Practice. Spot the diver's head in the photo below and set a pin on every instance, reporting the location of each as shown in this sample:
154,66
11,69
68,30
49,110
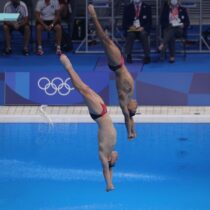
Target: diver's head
132,107
113,158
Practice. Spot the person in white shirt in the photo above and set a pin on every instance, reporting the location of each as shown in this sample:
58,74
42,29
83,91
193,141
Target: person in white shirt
47,15
21,25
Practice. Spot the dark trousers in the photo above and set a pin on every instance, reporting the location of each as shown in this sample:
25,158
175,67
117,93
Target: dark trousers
169,37
143,37
72,16
69,19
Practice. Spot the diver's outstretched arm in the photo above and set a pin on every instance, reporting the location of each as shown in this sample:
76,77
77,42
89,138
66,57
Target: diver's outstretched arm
129,123
106,172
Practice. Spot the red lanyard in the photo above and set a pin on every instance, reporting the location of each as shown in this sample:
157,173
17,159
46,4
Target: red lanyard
174,12
138,9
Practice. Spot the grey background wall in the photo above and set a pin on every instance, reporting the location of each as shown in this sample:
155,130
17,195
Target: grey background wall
2,2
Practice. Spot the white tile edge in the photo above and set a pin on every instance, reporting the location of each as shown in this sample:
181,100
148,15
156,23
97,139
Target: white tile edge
85,118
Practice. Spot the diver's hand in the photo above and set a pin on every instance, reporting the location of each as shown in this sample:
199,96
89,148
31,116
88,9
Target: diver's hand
110,188
132,136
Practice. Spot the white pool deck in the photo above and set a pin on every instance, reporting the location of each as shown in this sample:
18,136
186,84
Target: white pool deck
77,114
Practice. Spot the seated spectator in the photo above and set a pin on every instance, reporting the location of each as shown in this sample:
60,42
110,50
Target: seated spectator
137,21
47,15
174,22
65,13
21,25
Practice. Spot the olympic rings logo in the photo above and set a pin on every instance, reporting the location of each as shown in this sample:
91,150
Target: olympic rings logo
57,85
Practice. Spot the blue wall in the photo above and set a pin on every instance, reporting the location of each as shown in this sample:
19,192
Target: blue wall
151,88
43,80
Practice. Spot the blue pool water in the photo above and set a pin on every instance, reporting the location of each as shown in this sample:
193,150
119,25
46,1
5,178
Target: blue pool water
57,168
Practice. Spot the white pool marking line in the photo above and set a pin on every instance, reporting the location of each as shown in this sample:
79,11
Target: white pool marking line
14,169
79,114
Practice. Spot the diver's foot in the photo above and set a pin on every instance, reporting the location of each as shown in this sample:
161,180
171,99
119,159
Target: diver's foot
92,11
65,61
